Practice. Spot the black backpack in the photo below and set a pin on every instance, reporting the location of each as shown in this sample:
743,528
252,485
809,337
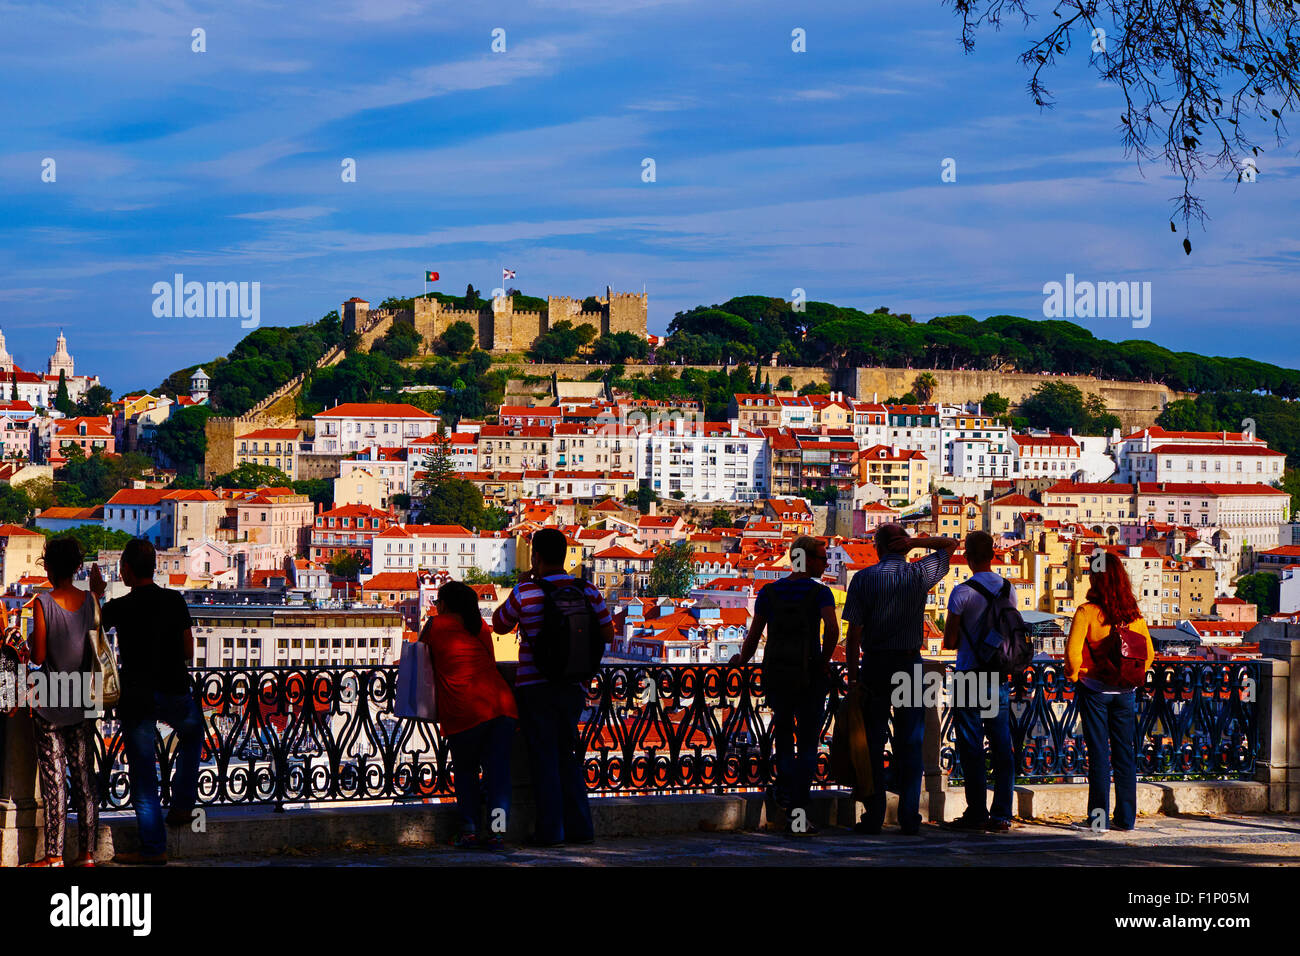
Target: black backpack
1002,643
794,631
568,646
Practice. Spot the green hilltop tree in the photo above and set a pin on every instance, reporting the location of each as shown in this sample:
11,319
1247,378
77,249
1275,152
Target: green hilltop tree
671,573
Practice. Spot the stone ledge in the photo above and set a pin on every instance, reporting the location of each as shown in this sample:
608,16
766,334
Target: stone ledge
238,831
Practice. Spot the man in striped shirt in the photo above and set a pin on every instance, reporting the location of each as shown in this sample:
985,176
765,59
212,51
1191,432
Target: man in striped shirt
884,610
549,711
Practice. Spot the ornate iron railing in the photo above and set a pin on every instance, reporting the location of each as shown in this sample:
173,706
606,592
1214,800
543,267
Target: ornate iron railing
286,735
1195,720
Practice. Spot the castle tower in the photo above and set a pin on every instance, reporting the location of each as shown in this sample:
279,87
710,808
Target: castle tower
625,312
61,361
6,360
355,314
503,315
199,383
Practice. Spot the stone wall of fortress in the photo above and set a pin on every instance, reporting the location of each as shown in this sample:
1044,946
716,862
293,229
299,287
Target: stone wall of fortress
1135,403
498,327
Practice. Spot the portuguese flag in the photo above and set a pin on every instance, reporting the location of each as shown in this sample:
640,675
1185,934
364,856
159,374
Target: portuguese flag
431,277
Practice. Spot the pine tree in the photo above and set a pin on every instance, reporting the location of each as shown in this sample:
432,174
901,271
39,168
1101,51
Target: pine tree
62,401
438,467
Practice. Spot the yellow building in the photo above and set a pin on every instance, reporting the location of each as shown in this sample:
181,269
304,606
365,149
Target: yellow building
272,447
902,473
20,554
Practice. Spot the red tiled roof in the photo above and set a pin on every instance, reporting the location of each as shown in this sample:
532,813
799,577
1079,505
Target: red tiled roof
11,530
1209,489
393,581
137,496
273,434
374,410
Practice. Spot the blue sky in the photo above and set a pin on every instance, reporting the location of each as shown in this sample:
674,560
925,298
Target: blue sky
775,170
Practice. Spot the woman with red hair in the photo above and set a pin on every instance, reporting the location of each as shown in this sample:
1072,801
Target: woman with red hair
1106,698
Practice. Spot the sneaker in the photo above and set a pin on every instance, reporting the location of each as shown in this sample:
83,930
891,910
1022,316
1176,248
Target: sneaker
968,823
493,841
866,829
465,840
996,825
178,818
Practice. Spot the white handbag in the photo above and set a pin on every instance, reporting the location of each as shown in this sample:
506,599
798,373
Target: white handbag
104,665
416,698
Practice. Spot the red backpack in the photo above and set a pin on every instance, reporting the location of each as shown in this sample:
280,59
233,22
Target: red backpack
1120,658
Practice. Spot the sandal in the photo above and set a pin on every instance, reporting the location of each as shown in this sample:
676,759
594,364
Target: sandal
83,861
47,861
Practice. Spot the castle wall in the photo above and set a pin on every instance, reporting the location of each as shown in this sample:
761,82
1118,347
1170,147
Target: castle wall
499,329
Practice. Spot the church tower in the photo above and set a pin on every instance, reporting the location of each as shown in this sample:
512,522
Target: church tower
199,383
61,361
6,360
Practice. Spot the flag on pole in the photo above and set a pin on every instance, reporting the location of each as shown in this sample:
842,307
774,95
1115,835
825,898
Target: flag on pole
507,274
431,277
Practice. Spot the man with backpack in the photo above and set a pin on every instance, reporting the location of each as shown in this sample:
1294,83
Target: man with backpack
564,628
990,637
798,613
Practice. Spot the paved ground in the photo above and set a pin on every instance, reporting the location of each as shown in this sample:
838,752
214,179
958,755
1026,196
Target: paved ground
1157,841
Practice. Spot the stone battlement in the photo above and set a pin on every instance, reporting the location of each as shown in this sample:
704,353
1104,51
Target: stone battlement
498,327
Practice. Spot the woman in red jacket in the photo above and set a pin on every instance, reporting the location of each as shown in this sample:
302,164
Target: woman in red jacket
476,712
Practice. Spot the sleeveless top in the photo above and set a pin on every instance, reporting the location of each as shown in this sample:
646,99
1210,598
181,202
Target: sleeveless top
68,656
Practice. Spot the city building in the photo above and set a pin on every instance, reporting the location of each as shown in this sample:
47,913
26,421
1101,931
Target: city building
271,447
350,427
347,528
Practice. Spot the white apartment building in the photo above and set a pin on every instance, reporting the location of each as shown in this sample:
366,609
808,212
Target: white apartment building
1045,455
870,424
956,424
267,635
1238,464
704,461
356,426
917,428
980,458
1131,449
450,548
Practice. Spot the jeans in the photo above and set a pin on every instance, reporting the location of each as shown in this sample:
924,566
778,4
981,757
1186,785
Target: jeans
549,714
972,728
796,729
181,713
1110,734
907,770
487,746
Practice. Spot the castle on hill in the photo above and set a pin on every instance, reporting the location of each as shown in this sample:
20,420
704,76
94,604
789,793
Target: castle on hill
498,327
